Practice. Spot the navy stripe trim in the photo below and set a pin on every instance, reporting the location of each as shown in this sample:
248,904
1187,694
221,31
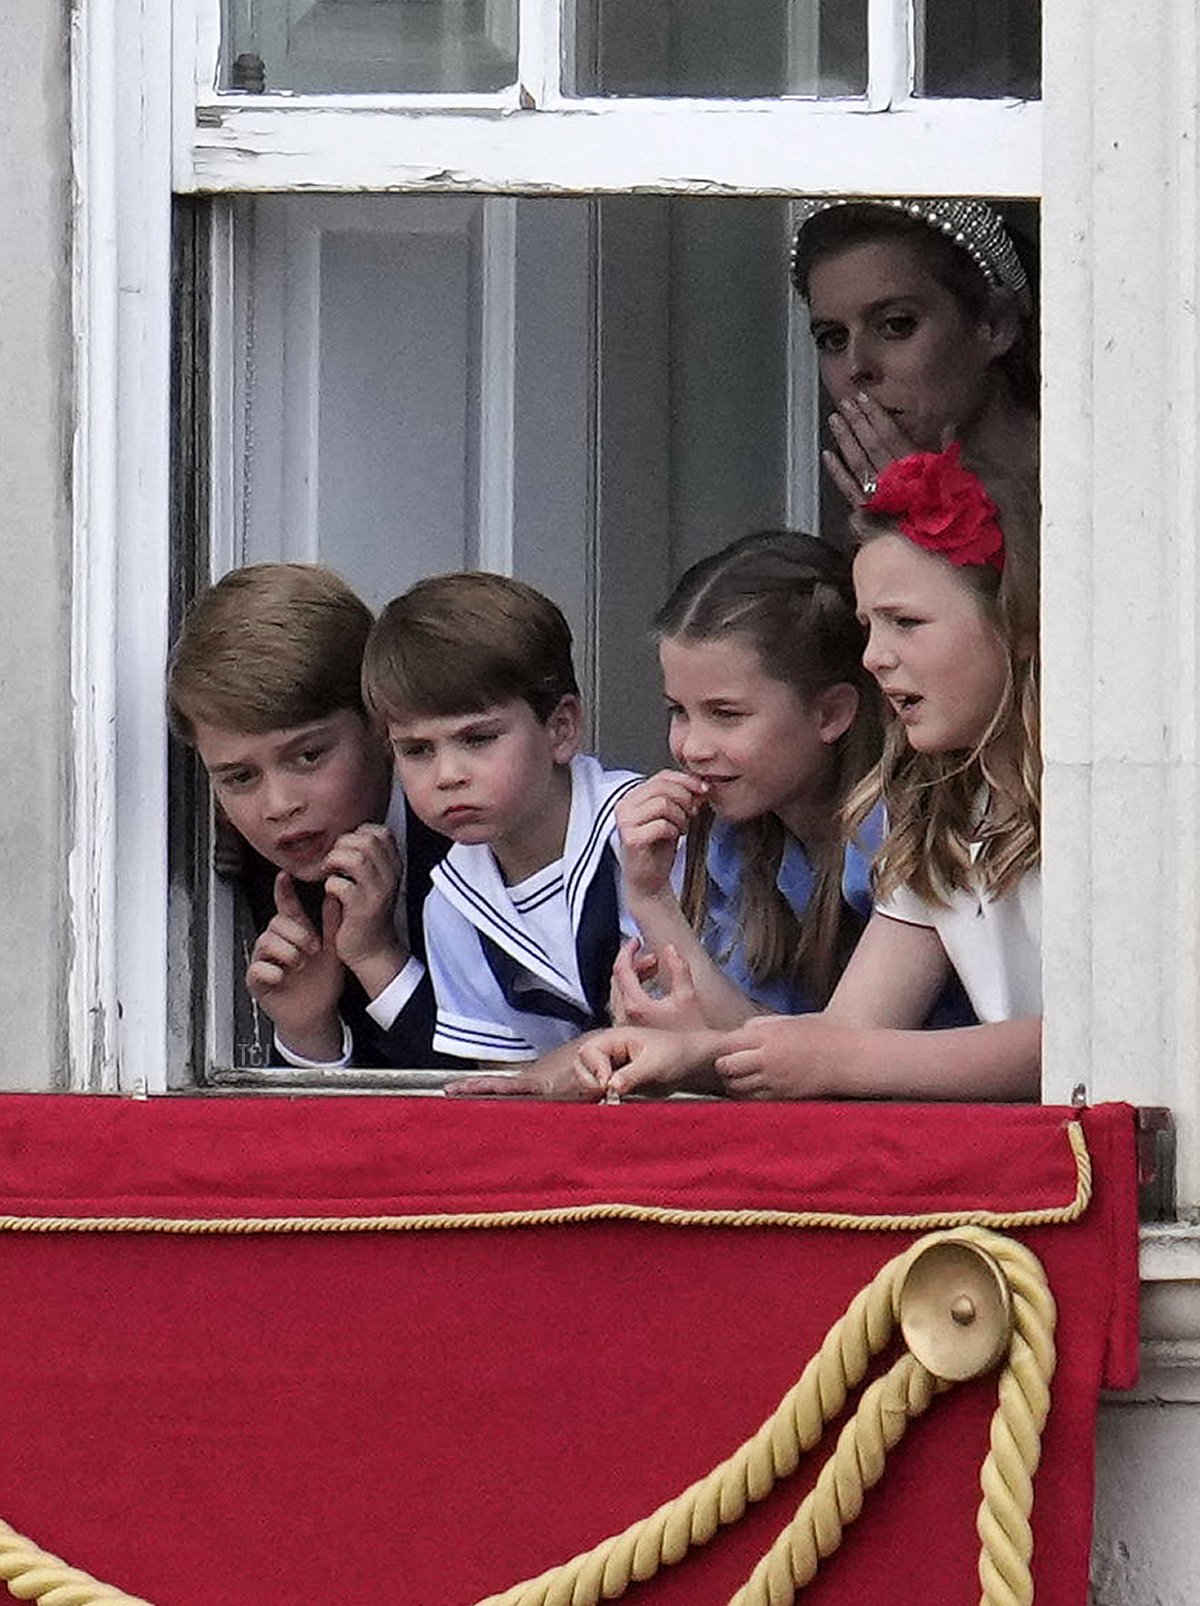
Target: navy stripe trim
515,935
481,1038
597,838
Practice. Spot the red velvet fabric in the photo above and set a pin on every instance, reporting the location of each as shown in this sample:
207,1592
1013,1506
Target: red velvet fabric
423,1418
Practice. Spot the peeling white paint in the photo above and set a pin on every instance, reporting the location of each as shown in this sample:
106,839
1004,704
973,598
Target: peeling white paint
612,146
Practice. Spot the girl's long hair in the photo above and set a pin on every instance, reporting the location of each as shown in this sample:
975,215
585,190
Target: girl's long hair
790,598
937,840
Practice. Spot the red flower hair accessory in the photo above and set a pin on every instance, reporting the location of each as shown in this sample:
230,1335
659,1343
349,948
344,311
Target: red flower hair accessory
941,506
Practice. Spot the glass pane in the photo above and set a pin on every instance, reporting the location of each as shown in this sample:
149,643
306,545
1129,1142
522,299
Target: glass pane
731,48
370,46
566,386
980,48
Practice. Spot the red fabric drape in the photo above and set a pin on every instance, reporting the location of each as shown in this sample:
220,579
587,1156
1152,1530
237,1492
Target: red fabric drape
425,1417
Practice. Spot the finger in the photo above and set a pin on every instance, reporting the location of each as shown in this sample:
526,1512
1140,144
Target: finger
679,806
673,782
645,964
625,968
586,1083
872,427
842,478
655,843
679,978
262,975
287,899
733,1069
285,938
848,428
276,949
662,1014
881,436
332,914
592,1063
299,934
488,1084
372,848
630,997
677,787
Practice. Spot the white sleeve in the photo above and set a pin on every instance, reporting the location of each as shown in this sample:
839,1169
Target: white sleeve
474,1019
299,1063
384,1009
903,904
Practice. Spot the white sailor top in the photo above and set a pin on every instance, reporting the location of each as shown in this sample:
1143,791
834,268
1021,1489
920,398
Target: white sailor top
505,989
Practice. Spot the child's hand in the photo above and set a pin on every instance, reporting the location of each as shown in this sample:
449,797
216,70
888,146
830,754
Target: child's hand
672,1005
363,873
634,973
628,1059
651,819
785,1057
560,1083
296,976
868,439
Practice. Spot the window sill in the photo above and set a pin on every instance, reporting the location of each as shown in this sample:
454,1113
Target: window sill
1170,1316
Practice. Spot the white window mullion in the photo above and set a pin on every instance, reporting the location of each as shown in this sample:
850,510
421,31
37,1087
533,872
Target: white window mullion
117,876
497,378
92,867
889,52
539,51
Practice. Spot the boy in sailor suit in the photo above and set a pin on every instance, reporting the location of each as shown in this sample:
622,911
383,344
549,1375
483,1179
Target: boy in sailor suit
471,675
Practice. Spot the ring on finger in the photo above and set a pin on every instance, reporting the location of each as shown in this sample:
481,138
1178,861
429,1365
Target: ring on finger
869,486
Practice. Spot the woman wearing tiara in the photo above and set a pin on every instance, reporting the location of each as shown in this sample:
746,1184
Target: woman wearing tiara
922,314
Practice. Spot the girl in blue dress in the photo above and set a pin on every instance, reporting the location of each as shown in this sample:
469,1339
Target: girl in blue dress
773,722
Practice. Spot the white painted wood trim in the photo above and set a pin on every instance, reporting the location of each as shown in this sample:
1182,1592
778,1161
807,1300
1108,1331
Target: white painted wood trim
540,51
889,53
117,869
91,870
1121,610
497,368
684,147
1170,1315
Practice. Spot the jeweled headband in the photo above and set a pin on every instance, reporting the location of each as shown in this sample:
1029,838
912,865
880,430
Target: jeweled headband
971,225
941,506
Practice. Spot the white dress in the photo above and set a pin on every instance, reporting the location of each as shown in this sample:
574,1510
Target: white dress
995,944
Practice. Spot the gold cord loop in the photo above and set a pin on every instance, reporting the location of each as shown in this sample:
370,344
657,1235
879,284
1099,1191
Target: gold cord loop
1027,1313
1023,1312
34,1574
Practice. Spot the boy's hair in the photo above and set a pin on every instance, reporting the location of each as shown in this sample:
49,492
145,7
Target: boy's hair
461,643
933,799
268,647
789,597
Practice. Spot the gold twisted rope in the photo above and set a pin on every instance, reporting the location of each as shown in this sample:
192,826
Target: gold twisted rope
34,1574
576,1215
887,1406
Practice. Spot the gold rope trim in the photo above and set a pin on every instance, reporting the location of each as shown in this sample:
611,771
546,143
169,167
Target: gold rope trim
32,1573
857,1464
574,1215
883,1414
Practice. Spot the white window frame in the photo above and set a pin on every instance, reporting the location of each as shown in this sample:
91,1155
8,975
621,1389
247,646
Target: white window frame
1122,922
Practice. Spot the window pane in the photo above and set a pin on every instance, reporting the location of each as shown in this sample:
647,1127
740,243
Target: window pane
731,48
980,48
572,389
370,46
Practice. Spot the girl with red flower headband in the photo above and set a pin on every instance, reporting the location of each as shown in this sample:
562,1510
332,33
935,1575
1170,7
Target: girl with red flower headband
947,587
